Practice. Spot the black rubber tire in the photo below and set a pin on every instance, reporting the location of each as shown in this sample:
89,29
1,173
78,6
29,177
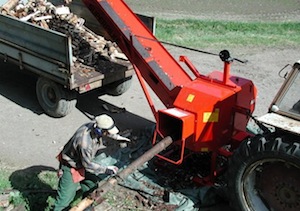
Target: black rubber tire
119,87
264,174
55,100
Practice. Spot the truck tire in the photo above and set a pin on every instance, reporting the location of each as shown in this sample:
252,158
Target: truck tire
54,98
264,174
119,87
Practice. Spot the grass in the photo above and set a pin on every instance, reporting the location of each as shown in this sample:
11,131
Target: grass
206,34
35,189
32,188
4,182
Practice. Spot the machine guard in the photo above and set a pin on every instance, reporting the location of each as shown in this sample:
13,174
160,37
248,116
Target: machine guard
178,124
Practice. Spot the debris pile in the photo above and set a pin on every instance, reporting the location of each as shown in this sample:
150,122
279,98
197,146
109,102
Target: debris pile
87,47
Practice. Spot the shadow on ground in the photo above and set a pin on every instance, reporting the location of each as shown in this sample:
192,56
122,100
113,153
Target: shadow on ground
29,182
90,105
19,87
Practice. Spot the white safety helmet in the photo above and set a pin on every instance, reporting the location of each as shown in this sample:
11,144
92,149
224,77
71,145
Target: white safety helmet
107,123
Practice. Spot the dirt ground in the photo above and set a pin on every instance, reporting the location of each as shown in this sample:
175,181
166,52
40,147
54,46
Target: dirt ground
28,137
266,10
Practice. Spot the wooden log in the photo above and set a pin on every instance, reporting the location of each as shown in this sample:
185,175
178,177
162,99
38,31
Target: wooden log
42,13
10,5
97,195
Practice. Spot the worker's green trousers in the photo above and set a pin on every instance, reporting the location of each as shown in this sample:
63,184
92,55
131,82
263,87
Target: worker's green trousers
67,188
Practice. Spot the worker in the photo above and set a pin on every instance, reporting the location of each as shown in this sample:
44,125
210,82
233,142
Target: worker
77,166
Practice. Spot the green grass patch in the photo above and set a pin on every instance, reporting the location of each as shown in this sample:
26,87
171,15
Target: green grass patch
224,34
33,188
4,181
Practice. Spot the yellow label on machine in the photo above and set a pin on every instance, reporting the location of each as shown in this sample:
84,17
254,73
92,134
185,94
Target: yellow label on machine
190,98
211,116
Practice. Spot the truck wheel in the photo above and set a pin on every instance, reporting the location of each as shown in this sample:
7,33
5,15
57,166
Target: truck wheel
54,98
119,87
264,174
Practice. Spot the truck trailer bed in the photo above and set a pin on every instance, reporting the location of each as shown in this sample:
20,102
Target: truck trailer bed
49,53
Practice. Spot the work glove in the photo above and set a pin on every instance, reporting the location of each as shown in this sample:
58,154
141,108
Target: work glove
118,137
111,170
59,173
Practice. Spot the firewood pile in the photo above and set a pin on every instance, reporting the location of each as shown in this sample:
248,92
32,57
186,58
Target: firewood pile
87,47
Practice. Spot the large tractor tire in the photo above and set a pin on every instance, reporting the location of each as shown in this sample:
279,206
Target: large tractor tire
54,98
264,174
119,87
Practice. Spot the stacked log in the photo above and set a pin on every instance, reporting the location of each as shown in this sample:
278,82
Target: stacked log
87,47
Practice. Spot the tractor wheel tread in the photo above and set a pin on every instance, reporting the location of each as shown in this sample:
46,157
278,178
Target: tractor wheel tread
255,150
